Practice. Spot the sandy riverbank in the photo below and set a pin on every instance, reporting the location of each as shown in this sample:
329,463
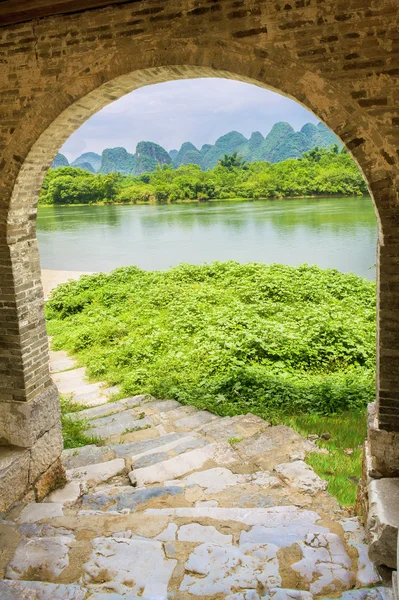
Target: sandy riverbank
51,279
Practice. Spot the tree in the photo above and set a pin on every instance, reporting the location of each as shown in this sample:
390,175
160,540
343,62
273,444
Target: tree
232,161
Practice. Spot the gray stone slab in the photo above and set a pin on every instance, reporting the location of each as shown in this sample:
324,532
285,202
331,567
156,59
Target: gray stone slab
108,409
149,459
117,424
127,497
163,405
38,590
86,455
60,361
135,448
190,445
272,439
68,380
196,420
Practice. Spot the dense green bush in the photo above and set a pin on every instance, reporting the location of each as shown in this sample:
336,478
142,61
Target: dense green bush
225,336
320,172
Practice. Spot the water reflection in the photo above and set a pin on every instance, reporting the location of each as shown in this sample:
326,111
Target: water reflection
338,233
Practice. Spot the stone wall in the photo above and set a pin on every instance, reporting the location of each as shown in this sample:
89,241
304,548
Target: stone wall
339,59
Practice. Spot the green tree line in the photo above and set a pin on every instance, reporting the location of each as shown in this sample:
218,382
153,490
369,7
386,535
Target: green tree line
320,172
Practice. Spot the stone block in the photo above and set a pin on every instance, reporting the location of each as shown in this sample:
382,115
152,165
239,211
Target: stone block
86,455
128,498
92,475
22,423
302,477
130,566
40,558
67,495
383,521
45,452
117,424
14,475
37,511
384,449
51,479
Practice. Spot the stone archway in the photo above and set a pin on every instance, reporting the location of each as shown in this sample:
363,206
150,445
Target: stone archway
60,70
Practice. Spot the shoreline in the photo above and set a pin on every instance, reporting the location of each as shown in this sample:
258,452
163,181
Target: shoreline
51,278
209,200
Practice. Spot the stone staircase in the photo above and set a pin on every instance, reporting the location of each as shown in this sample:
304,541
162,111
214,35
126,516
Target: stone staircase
175,503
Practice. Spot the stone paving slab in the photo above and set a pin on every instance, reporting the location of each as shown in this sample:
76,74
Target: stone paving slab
92,475
240,426
42,558
86,455
127,497
117,424
109,408
135,449
60,361
279,515
194,421
299,475
135,566
37,590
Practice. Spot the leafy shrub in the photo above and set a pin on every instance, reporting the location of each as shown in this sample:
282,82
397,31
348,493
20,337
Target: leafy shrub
228,337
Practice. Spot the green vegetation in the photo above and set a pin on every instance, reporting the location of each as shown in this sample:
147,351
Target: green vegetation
290,344
342,466
319,172
75,432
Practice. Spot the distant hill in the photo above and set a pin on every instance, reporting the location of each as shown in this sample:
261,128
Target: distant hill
59,161
281,142
91,158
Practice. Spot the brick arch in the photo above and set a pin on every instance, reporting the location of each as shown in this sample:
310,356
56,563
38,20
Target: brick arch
74,65
88,90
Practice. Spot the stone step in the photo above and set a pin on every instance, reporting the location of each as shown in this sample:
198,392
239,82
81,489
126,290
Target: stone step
60,361
108,409
219,454
86,455
234,428
137,449
118,424
194,421
74,382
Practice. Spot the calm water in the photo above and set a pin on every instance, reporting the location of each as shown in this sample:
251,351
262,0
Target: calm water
339,233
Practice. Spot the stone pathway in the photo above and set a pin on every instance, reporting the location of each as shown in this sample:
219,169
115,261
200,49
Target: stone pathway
179,504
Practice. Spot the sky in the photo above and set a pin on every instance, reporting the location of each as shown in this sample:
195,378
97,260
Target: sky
194,110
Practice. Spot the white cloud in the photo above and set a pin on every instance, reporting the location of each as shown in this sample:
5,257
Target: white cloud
196,110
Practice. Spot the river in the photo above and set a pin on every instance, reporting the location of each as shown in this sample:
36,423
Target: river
329,232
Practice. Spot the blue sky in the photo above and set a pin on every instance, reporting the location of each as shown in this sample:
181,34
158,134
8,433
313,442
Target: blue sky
195,110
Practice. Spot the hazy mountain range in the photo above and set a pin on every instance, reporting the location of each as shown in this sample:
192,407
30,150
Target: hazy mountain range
281,143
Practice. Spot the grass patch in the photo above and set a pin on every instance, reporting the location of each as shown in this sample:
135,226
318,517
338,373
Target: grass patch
342,470
289,344
235,440
74,431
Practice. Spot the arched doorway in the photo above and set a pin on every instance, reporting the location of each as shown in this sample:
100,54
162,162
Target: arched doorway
100,62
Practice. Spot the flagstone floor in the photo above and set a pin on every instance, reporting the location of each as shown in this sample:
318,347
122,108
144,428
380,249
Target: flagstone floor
180,504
